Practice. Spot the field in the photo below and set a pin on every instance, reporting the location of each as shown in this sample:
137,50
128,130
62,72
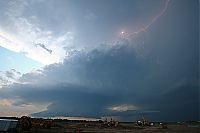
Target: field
92,127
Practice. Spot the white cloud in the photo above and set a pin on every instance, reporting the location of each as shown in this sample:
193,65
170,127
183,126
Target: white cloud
22,33
9,77
123,107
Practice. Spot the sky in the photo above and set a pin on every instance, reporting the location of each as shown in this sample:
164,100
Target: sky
98,58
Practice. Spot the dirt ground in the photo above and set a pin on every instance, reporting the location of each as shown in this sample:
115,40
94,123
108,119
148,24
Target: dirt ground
91,127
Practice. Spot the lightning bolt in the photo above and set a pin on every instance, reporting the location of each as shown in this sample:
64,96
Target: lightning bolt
155,18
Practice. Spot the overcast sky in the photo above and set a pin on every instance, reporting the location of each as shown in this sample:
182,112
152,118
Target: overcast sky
95,58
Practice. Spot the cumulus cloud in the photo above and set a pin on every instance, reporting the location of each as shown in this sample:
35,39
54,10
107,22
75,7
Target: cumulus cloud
9,77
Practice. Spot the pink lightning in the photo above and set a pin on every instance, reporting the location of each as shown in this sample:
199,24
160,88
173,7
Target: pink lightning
145,28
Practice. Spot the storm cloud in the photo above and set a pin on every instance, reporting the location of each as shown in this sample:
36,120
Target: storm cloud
153,73
90,83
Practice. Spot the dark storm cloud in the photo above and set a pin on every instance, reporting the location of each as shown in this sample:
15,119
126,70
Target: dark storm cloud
157,72
105,77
